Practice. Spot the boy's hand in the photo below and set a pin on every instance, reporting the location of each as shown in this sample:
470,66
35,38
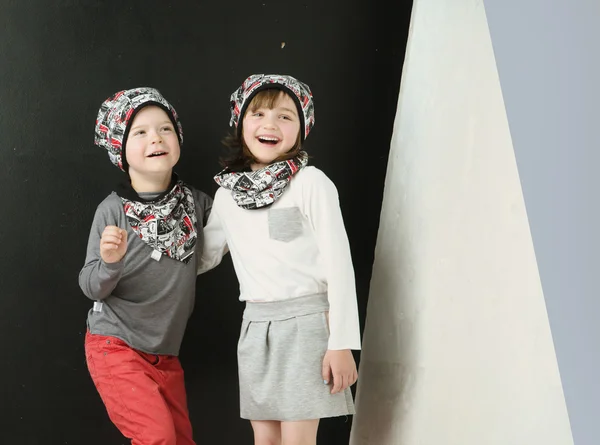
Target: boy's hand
113,244
340,366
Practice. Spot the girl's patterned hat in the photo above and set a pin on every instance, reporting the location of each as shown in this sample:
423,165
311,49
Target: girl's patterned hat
299,92
116,115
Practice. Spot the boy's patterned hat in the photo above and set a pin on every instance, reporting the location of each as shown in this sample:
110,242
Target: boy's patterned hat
299,92
116,115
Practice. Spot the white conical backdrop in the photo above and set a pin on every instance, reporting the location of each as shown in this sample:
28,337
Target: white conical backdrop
457,347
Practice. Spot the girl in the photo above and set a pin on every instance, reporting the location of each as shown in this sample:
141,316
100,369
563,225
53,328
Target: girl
282,222
140,270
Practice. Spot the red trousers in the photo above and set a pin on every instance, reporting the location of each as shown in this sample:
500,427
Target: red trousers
144,394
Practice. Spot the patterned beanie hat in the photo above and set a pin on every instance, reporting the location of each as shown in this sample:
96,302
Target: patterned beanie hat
116,115
299,92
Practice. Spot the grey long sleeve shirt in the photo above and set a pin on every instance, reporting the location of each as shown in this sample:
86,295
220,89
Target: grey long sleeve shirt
144,302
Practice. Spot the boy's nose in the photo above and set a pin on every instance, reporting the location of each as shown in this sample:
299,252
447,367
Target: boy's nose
155,137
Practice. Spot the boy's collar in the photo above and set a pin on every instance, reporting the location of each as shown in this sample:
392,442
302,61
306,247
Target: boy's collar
125,190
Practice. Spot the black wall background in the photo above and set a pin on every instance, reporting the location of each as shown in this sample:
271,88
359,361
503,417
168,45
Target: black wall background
58,61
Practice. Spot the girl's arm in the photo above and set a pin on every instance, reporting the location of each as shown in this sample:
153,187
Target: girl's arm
321,205
215,244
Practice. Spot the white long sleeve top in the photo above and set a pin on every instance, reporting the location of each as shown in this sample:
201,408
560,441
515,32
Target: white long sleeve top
296,247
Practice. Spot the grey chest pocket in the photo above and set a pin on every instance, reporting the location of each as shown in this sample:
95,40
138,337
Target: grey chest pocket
285,224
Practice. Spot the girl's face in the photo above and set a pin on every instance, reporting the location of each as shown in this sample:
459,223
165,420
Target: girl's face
152,144
271,132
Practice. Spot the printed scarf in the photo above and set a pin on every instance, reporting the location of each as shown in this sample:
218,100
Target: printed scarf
261,188
167,223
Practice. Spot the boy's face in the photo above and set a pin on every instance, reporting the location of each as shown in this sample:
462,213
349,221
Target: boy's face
270,133
152,144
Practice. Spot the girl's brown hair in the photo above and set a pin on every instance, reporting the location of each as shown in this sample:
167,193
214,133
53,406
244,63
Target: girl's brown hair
239,156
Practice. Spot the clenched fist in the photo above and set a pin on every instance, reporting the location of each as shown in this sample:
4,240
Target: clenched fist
113,244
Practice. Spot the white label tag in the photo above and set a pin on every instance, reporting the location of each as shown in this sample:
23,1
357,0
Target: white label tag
97,306
156,255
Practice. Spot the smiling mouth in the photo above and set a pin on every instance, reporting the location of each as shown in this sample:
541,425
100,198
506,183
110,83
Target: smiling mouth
268,140
157,154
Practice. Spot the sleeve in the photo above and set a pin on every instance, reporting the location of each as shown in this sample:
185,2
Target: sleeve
322,208
206,203
215,242
98,279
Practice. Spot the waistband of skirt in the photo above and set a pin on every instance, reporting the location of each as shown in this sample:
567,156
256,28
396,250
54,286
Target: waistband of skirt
285,309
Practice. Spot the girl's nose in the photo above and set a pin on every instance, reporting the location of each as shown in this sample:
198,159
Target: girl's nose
270,122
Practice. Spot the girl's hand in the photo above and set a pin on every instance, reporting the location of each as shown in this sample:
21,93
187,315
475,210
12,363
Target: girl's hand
340,366
113,244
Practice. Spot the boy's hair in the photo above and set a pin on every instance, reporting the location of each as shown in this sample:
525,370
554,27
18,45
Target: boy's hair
240,157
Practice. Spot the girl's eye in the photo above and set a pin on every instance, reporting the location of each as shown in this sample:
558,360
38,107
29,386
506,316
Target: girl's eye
139,132
167,129
286,117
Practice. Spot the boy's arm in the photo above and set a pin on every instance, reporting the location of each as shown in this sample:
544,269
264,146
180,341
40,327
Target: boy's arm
98,279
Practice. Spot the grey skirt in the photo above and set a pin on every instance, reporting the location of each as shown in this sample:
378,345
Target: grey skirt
280,358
